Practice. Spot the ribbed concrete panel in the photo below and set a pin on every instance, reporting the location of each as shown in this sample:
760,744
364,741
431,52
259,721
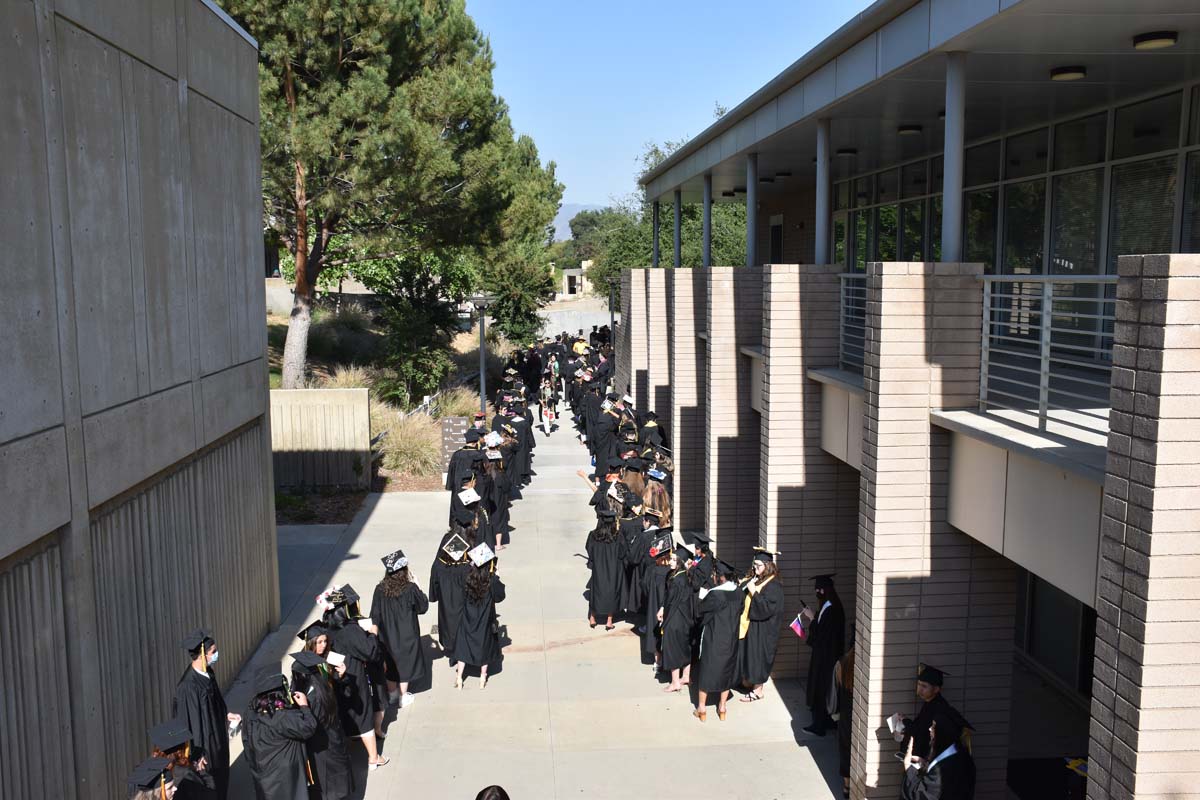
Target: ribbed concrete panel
195,549
34,711
321,438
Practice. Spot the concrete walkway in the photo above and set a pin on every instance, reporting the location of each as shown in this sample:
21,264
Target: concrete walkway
572,713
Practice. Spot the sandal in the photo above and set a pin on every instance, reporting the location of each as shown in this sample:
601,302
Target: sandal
382,763
669,690
750,698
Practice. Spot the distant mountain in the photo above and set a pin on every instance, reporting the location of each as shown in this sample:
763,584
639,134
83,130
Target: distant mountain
562,223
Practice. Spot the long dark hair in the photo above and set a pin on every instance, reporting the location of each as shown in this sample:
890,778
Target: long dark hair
325,709
479,583
605,532
269,702
394,583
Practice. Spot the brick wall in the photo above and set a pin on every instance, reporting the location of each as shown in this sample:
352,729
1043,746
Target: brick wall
732,430
926,592
658,367
638,367
623,350
1146,682
808,499
688,305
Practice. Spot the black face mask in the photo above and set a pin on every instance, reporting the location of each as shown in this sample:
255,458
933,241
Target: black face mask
820,594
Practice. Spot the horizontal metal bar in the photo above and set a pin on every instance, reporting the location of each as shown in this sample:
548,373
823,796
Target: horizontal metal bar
1098,279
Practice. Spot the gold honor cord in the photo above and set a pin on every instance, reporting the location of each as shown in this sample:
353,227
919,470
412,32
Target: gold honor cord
744,622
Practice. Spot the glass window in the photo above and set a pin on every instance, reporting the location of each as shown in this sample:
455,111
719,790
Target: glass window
1190,242
861,222
885,233
979,228
841,196
1141,209
1075,223
935,228
776,244
839,240
912,231
912,180
1080,141
864,193
886,188
936,174
1194,125
1025,154
1147,127
1024,226
983,164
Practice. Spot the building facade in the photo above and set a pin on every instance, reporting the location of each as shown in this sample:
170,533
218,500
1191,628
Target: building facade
960,371
136,498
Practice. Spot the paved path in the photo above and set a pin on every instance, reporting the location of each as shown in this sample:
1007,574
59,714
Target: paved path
572,713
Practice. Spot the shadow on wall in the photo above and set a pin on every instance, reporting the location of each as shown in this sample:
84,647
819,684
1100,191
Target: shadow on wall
642,380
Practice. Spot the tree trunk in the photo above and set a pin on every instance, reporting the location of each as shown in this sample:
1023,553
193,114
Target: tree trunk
295,348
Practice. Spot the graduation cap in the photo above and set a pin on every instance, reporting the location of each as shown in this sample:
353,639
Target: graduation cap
306,660
683,553
195,639
660,545
480,415
153,773
611,397
268,679
653,512
605,513
635,464
472,435
510,429
494,455
927,673
456,547
468,496
631,500
311,632
696,537
493,439
616,463
627,399
725,568
657,474
764,555
345,595
171,735
394,562
481,554
649,416
824,581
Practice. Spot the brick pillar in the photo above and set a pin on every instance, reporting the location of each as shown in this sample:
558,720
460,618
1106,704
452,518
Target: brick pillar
658,367
732,430
638,368
926,592
1146,682
808,499
623,350
688,386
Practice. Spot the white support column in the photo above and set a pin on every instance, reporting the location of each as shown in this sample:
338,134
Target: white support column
823,211
952,180
752,209
706,261
655,226
678,229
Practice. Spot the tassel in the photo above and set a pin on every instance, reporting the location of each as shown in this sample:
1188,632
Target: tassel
308,772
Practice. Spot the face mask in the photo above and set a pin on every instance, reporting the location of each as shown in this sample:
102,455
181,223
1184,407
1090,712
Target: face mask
213,658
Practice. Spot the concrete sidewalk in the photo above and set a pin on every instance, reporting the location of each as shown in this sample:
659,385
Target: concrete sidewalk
572,713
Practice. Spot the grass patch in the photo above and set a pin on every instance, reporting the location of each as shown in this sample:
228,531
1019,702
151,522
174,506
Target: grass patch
348,377
412,445
460,402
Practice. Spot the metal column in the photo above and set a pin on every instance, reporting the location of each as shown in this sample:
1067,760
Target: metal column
952,180
824,221
655,226
752,209
678,228
707,233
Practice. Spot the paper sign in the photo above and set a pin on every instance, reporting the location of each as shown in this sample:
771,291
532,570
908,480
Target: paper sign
365,624
336,659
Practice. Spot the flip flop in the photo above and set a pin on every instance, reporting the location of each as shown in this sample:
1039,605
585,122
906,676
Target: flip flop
383,763
750,698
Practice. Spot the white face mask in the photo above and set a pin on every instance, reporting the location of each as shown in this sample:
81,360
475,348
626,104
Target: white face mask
213,658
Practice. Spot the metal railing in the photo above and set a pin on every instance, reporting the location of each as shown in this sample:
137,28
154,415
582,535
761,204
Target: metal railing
1047,347
852,336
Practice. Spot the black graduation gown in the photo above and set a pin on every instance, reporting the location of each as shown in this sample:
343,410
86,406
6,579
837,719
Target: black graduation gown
447,584
719,613
952,778
604,560
461,467
355,700
827,638
328,753
633,592
400,630
762,637
274,746
700,576
198,701
679,615
499,502
918,729
476,643
655,585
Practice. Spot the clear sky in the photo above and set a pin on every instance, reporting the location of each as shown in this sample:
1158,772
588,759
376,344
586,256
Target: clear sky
593,81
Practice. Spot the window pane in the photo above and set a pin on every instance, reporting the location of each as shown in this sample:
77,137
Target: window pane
912,180
1194,125
1024,225
912,222
1026,154
885,233
1141,210
983,164
886,190
935,228
936,174
1147,127
864,191
979,228
839,241
1190,243
1075,227
841,196
1080,141
862,237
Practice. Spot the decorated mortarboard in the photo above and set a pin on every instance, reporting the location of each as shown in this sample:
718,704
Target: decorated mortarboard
614,491
824,581
764,555
312,631
394,562
481,554
510,429
306,659
456,547
468,496
348,595
653,512
472,435
493,455
510,371
493,439
195,639
661,545
656,474
153,773
170,735
927,673
627,399
268,679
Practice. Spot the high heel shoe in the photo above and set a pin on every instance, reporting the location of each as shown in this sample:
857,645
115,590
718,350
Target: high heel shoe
700,715
458,682
721,714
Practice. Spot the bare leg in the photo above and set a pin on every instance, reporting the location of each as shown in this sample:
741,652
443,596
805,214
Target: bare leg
483,677
687,675
721,703
368,741
674,685
458,673
379,724
608,626
701,699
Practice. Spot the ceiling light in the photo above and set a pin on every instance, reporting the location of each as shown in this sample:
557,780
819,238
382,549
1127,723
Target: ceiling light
765,179
847,151
783,174
739,190
1155,40
909,130
728,193
942,114
1068,73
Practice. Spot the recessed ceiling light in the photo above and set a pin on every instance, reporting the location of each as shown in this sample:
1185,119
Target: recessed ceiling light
847,151
739,190
728,193
1155,40
909,130
765,179
1068,73
783,174
942,114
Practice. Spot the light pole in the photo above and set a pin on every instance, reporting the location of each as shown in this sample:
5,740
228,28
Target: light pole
481,302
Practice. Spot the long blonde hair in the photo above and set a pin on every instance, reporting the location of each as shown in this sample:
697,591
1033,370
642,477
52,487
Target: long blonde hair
655,496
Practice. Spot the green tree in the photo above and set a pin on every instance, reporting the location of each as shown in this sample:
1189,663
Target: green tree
378,121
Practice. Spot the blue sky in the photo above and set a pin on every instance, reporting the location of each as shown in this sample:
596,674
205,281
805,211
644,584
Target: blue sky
592,82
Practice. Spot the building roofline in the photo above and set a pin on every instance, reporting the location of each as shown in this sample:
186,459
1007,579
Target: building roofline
228,20
862,24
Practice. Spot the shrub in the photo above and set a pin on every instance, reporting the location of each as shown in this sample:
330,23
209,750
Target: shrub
412,444
460,402
349,378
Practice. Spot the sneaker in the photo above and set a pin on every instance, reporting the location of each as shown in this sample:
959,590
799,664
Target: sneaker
407,699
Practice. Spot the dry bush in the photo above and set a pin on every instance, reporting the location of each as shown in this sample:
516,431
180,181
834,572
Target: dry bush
460,402
348,378
412,445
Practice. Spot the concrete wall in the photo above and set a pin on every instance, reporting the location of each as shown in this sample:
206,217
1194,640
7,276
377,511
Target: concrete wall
134,349
321,438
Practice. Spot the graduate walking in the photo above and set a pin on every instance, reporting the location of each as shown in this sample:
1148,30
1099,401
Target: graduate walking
477,642
607,572
277,724
327,748
447,584
396,607
361,651
719,610
678,615
199,703
761,619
